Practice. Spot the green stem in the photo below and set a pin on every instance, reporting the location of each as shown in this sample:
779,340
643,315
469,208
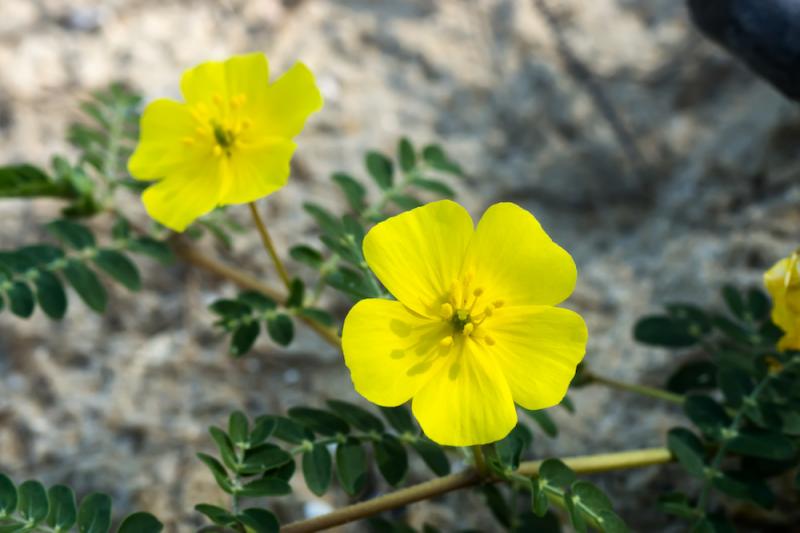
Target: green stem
268,245
644,390
480,461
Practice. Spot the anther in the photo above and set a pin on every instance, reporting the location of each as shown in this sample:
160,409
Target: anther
239,100
446,342
217,150
477,292
467,331
246,123
200,130
488,340
498,303
188,140
446,311
217,98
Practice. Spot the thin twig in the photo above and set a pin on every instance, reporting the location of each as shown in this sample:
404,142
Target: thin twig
268,245
468,478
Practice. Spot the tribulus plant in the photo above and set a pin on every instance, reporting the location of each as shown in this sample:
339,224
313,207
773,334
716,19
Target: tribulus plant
460,320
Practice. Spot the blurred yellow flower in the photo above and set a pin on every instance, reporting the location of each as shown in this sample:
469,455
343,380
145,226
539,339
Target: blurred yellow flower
783,284
229,143
474,328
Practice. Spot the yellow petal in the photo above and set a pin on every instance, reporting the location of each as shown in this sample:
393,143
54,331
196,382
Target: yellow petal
419,253
289,101
516,262
538,349
390,351
246,74
783,284
181,198
468,401
258,171
161,150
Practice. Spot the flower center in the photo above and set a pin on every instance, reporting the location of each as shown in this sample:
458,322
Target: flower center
466,308
219,125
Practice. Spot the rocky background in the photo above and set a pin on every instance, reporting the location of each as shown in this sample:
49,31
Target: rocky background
659,162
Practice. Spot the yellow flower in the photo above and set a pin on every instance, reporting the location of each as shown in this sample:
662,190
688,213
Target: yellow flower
783,284
229,143
474,328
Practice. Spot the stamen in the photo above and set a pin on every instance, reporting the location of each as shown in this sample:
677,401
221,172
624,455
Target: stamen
468,329
200,130
217,98
217,150
239,100
246,123
477,292
446,311
188,140
456,293
446,342
498,303
488,340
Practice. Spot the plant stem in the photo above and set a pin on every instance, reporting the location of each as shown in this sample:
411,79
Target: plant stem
436,487
644,390
195,257
480,462
268,246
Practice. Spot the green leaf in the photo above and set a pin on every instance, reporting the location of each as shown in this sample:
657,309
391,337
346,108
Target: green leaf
280,329
511,448
433,455
356,416
554,472
307,255
225,447
735,302
351,466
244,337
764,444
8,496
380,169
319,421
676,503
259,520
288,430
758,304
268,486
257,300
434,155
263,429
119,267
350,282
33,502
706,414
405,201
317,469
63,509
238,429
406,155
153,248
50,294
434,186
327,222
353,190
72,234
296,293
576,516
230,308
317,315
692,376
400,419
688,449
590,496
262,458
94,514
665,331
539,502
87,285
736,485
610,522
735,385
392,459
25,181
21,299
497,504
121,230
217,470
140,523
543,420
218,515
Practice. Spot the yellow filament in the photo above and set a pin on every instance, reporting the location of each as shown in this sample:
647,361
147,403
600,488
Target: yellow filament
446,342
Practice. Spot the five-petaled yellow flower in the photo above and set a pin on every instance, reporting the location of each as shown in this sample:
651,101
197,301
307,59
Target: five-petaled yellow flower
229,143
474,328
783,284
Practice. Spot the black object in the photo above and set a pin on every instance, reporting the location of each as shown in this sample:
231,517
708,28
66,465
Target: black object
765,34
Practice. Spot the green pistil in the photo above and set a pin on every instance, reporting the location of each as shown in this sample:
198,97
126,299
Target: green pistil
460,319
224,137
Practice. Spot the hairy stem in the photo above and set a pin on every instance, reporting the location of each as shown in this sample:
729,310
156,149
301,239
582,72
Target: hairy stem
468,478
195,257
268,246
644,390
